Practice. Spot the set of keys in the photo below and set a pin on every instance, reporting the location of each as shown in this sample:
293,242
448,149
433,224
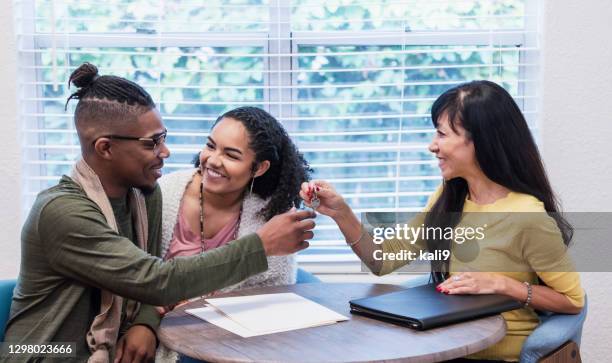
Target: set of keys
314,201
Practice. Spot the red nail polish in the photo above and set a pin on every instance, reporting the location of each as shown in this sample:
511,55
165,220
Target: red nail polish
446,292
438,288
318,189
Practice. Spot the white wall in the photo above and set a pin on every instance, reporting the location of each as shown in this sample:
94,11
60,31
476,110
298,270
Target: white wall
576,124
10,147
576,130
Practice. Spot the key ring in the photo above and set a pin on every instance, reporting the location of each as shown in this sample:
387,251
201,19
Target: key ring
314,201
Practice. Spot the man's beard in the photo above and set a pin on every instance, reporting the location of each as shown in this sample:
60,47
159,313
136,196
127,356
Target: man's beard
147,189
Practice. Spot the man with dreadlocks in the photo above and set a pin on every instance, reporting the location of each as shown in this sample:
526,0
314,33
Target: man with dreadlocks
88,271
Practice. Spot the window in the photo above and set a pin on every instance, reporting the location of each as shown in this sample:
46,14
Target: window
351,80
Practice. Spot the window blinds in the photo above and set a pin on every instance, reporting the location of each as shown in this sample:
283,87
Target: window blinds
351,80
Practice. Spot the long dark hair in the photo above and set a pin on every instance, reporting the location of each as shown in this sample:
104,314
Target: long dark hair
505,150
288,168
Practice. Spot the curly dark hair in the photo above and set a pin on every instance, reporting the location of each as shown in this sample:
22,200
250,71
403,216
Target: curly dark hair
269,141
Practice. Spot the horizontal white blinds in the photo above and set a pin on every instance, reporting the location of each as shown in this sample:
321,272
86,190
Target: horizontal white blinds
351,80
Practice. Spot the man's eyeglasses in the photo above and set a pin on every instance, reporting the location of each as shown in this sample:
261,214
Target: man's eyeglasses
153,142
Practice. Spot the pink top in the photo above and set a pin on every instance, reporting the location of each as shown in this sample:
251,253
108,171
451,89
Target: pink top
187,243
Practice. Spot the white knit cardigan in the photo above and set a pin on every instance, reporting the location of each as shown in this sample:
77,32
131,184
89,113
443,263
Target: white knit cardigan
282,270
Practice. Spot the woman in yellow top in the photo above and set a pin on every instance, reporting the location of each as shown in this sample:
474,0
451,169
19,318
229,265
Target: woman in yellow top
490,163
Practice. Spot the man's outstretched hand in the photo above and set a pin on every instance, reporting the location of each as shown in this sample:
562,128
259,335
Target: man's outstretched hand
287,233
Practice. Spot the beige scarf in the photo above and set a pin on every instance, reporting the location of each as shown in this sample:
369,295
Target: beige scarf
102,335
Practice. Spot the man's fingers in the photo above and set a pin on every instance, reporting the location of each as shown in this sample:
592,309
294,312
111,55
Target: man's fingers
139,356
128,356
303,245
303,214
305,225
307,235
145,355
119,351
151,355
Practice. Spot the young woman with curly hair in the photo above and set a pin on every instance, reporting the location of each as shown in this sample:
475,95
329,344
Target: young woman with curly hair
248,171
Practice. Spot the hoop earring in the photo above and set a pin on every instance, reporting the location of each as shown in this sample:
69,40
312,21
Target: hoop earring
252,182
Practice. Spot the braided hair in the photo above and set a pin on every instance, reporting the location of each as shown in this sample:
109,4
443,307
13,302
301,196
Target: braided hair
104,101
288,168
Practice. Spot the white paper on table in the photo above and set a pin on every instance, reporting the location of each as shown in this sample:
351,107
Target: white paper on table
217,318
275,312
271,313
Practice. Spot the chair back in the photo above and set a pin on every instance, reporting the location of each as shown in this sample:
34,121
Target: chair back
6,296
304,277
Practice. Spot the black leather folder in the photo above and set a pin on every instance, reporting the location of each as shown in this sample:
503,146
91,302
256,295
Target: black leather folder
424,308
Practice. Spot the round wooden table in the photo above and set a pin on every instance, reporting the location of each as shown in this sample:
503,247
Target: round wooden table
360,339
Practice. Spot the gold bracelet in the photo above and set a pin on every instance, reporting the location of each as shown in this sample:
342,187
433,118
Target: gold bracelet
352,244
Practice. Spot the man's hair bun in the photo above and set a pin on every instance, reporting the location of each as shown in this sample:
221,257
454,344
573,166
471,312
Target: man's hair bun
84,75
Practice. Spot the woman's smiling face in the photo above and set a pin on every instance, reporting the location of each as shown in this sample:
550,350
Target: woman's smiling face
227,160
454,150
